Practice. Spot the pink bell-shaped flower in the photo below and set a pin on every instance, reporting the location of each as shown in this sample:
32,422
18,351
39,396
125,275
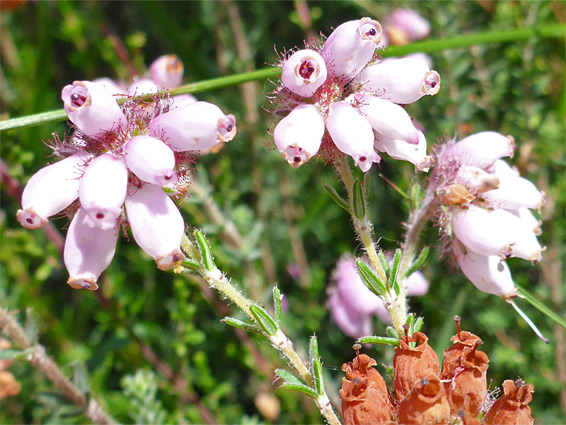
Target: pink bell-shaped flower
304,72
399,149
89,250
353,323
352,134
167,71
151,160
480,150
298,136
487,272
157,225
410,22
194,127
351,46
92,108
51,190
103,189
401,81
112,86
387,118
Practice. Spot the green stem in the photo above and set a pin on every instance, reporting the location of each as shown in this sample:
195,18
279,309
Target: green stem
429,46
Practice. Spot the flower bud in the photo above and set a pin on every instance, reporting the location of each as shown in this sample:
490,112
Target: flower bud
513,406
298,136
410,22
364,393
487,272
413,364
426,403
351,46
480,150
352,134
387,118
157,225
401,81
167,71
304,72
89,250
51,190
467,390
151,160
400,149
92,108
194,127
103,189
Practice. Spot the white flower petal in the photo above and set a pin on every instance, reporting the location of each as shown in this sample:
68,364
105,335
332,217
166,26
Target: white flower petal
151,160
480,150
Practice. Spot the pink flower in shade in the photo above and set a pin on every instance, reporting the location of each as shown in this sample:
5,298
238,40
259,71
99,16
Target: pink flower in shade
485,208
336,98
409,22
123,163
167,71
352,305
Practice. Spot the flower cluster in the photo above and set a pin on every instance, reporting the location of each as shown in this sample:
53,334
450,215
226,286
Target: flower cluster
425,393
121,166
343,97
486,210
352,305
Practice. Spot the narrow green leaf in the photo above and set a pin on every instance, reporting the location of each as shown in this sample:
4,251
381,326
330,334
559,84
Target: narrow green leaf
277,297
191,265
384,263
336,197
410,322
313,347
318,376
390,330
205,250
358,200
15,354
248,327
288,377
541,307
53,399
264,320
301,388
366,186
419,261
31,328
418,324
80,377
395,268
378,340
370,279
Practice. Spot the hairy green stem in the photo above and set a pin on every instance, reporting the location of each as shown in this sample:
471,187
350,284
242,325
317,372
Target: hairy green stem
428,46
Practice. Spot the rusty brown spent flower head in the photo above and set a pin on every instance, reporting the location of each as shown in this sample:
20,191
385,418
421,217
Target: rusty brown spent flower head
512,408
413,364
425,404
364,393
452,356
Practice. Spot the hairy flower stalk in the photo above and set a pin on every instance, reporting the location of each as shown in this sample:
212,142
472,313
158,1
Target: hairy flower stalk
342,99
122,166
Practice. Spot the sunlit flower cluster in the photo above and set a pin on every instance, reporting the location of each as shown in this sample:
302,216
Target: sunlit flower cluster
343,97
125,160
486,210
353,306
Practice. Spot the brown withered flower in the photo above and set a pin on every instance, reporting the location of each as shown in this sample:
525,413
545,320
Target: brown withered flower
452,356
512,408
467,390
364,393
425,404
413,364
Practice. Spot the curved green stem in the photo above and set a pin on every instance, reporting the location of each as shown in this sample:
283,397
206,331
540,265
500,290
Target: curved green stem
429,46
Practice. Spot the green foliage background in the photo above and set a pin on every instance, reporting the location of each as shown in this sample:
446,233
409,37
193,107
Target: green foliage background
283,215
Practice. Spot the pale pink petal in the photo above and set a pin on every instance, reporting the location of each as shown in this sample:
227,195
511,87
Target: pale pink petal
298,136
351,322
51,190
103,189
411,23
304,72
143,86
417,284
167,71
194,127
399,149
157,225
92,108
480,150
151,160
88,251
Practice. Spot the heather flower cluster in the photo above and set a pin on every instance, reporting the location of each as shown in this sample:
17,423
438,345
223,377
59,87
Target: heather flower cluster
486,210
353,306
342,97
122,166
426,393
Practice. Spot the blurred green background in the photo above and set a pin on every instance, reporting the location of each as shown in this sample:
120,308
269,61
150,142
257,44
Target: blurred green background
143,319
